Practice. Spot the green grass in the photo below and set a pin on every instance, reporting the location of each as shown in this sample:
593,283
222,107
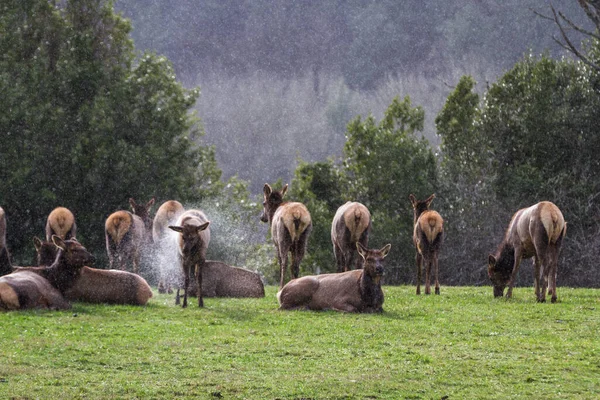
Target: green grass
463,344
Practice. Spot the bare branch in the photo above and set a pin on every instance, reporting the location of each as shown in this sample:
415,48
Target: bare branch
577,27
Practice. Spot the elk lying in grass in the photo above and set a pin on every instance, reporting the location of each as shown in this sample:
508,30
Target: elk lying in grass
194,237
428,235
290,224
351,224
353,291
61,222
223,280
164,244
126,235
98,285
5,265
538,232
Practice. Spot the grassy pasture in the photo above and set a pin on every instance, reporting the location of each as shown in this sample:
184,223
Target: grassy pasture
463,344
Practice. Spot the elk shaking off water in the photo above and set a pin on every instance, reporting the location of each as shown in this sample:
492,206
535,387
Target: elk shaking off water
194,237
164,247
351,224
126,235
538,232
353,291
290,224
61,222
428,235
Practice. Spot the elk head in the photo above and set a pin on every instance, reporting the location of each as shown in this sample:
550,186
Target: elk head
191,240
74,255
272,200
373,260
419,207
143,211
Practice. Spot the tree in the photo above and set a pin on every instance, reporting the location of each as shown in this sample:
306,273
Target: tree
87,125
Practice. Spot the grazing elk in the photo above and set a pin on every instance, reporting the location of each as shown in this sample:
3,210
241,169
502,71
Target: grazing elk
127,234
93,285
290,224
27,289
352,291
428,235
194,237
538,232
5,265
61,222
164,243
351,224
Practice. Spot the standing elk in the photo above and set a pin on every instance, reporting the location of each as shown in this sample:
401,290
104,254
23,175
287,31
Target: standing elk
61,222
164,245
352,291
93,285
538,232
5,265
194,237
351,224
290,224
127,234
428,235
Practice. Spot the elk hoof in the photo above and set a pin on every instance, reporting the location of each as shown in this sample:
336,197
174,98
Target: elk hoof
437,290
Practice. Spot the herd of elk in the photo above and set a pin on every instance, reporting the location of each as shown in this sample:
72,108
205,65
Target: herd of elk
351,224
290,224
538,232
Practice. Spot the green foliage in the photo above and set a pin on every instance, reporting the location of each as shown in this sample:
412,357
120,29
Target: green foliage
463,344
85,125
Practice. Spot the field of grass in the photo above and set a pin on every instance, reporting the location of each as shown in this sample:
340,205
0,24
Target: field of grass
463,344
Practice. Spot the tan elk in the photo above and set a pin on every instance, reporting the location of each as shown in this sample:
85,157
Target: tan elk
126,235
290,224
223,280
61,222
428,234
165,245
93,285
194,237
5,265
538,232
352,291
351,224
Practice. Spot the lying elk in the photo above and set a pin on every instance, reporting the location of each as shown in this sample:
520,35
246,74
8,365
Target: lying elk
290,224
194,237
351,224
223,280
352,291
5,265
538,232
99,285
44,287
428,235
61,222
126,234
166,215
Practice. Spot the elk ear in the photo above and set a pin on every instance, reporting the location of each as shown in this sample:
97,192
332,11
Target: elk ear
429,200
285,188
267,190
150,203
58,242
491,260
203,226
132,202
176,228
385,250
413,199
362,250
37,243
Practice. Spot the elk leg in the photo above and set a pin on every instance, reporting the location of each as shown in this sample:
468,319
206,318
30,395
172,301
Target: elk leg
427,275
177,299
419,259
339,258
437,270
283,260
513,275
198,274
536,276
186,284
542,280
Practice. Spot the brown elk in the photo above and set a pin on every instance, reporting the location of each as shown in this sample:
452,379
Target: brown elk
352,291
27,289
538,232
290,224
194,237
5,265
61,222
164,242
428,235
351,224
223,280
98,285
126,235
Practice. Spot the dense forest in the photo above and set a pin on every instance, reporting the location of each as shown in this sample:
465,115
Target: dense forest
360,100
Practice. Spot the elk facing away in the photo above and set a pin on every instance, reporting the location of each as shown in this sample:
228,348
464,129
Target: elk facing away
538,232
428,235
164,245
194,237
61,222
351,224
353,291
127,234
290,224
